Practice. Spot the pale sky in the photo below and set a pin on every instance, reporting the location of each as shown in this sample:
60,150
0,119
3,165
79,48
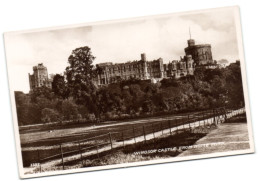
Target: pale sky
163,36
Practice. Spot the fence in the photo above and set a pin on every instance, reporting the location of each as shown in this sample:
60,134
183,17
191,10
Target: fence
81,149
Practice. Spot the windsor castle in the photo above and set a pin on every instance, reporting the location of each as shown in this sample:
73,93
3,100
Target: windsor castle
155,70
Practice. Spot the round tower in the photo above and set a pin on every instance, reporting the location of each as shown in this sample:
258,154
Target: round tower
201,54
143,59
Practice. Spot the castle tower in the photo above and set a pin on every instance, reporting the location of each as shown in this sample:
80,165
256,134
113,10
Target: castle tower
161,68
201,54
143,59
191,42
39,77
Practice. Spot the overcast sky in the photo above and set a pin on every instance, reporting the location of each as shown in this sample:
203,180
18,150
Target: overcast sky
162,36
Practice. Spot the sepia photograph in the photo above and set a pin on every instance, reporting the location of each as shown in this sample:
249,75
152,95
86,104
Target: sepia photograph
129,92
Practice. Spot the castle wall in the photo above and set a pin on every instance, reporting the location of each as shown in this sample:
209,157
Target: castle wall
140,69
144,70
200,53
39,77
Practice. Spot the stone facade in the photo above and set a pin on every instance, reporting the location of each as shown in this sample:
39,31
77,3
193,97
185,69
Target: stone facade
184,67
155,70
144,70
201,54
141,69
39,77
195,55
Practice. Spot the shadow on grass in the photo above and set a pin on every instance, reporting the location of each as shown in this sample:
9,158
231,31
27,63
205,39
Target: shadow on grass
159,148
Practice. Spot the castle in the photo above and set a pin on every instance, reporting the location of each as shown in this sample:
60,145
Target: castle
40,77
200,53
155,70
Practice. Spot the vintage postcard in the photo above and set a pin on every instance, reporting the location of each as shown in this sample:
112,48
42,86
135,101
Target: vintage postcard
129,92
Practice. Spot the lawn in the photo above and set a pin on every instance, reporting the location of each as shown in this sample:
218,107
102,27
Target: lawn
41,144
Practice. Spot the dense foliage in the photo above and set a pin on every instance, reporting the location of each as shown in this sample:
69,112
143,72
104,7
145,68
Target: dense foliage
75,97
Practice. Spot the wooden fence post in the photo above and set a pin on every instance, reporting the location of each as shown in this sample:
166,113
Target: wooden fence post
123,139
170,126
134,133
61,152
96,149
219,115
144,134
214,116
183,122
153,132
162,127
97,152
176,125
80,152
110,138
189,121
225,114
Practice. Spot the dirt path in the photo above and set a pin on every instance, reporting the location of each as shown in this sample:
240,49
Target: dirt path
227,137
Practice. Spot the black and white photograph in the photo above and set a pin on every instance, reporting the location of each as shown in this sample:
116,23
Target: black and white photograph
130,92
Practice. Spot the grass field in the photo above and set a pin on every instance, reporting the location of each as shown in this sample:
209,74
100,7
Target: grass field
40,144
233,134
75,132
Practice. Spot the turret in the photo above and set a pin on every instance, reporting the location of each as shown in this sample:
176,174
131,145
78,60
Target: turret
191,42
143,57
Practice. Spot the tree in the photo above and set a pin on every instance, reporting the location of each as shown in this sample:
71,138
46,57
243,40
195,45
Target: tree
22,106
43,91
169,83
69,109
79,76
59,86
49,115
234,85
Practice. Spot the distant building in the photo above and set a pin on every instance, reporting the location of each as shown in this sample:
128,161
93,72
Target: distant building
184,67
201,54
144,70
195,55
39,77
155,70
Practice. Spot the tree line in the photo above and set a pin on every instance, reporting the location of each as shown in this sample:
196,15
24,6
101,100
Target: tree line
74,96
